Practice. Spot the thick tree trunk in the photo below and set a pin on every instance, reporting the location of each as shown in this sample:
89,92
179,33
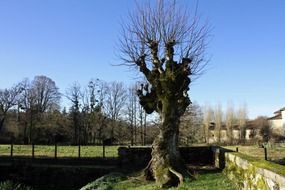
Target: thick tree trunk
166,166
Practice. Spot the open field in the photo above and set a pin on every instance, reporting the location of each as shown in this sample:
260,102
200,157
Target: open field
275,153
62,151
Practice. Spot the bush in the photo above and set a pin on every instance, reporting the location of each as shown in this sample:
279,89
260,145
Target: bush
8,185
104,183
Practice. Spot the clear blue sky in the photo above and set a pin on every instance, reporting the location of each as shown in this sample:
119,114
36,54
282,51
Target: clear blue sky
75,40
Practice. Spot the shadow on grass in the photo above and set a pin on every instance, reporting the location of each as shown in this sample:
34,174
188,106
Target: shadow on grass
207,178
280,161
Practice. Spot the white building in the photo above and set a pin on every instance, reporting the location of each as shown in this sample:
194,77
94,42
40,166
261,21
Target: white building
277,122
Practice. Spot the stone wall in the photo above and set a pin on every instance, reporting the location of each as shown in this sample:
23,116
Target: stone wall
253,174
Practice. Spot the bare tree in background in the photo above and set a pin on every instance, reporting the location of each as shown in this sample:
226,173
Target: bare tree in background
28,104
167,45
242,118
261,123
38,96
131,111
218,114
8,99
115,100
142,122
191,130
230,121
208,118
74,94
92,104
46,94
101,118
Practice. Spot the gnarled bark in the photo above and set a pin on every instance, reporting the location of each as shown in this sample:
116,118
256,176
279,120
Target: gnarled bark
168,49
166,166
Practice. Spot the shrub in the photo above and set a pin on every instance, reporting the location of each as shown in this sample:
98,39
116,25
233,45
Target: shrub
104,183
8,185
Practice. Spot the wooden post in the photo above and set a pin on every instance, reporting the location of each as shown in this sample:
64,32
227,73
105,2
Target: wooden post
236,149
265,153
11,150
79,150
33,150
103,150
55,151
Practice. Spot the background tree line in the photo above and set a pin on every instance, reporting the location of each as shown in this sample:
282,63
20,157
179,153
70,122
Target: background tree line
31,112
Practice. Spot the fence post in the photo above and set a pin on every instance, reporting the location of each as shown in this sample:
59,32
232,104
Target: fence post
265,153
11,150
103,150
55,150
33,150
79,150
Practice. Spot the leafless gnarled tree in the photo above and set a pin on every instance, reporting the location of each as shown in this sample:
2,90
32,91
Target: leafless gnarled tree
167,45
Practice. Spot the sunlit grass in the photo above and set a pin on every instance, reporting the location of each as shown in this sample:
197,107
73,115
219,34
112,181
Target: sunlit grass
204,181
274,152
62,151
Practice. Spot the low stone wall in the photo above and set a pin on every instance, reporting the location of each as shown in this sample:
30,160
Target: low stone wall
253,174
219,156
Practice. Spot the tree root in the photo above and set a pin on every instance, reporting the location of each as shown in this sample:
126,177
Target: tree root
177,174
191,173
147,172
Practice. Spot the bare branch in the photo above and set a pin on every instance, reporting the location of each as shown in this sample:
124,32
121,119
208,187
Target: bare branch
162,32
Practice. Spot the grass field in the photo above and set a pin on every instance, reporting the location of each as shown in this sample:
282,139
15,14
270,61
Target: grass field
205,180
62,151
208,181
275,153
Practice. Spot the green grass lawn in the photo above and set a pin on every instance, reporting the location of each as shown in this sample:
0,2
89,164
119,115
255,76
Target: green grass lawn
274,152
207,180
62,151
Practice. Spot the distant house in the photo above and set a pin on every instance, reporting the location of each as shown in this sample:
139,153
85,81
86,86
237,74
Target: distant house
236,132
251,132
277,122
222,136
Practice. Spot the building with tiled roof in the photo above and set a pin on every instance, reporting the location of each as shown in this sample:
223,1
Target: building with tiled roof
278,120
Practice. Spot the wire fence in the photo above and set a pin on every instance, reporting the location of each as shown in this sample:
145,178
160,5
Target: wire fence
270,152
58,151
